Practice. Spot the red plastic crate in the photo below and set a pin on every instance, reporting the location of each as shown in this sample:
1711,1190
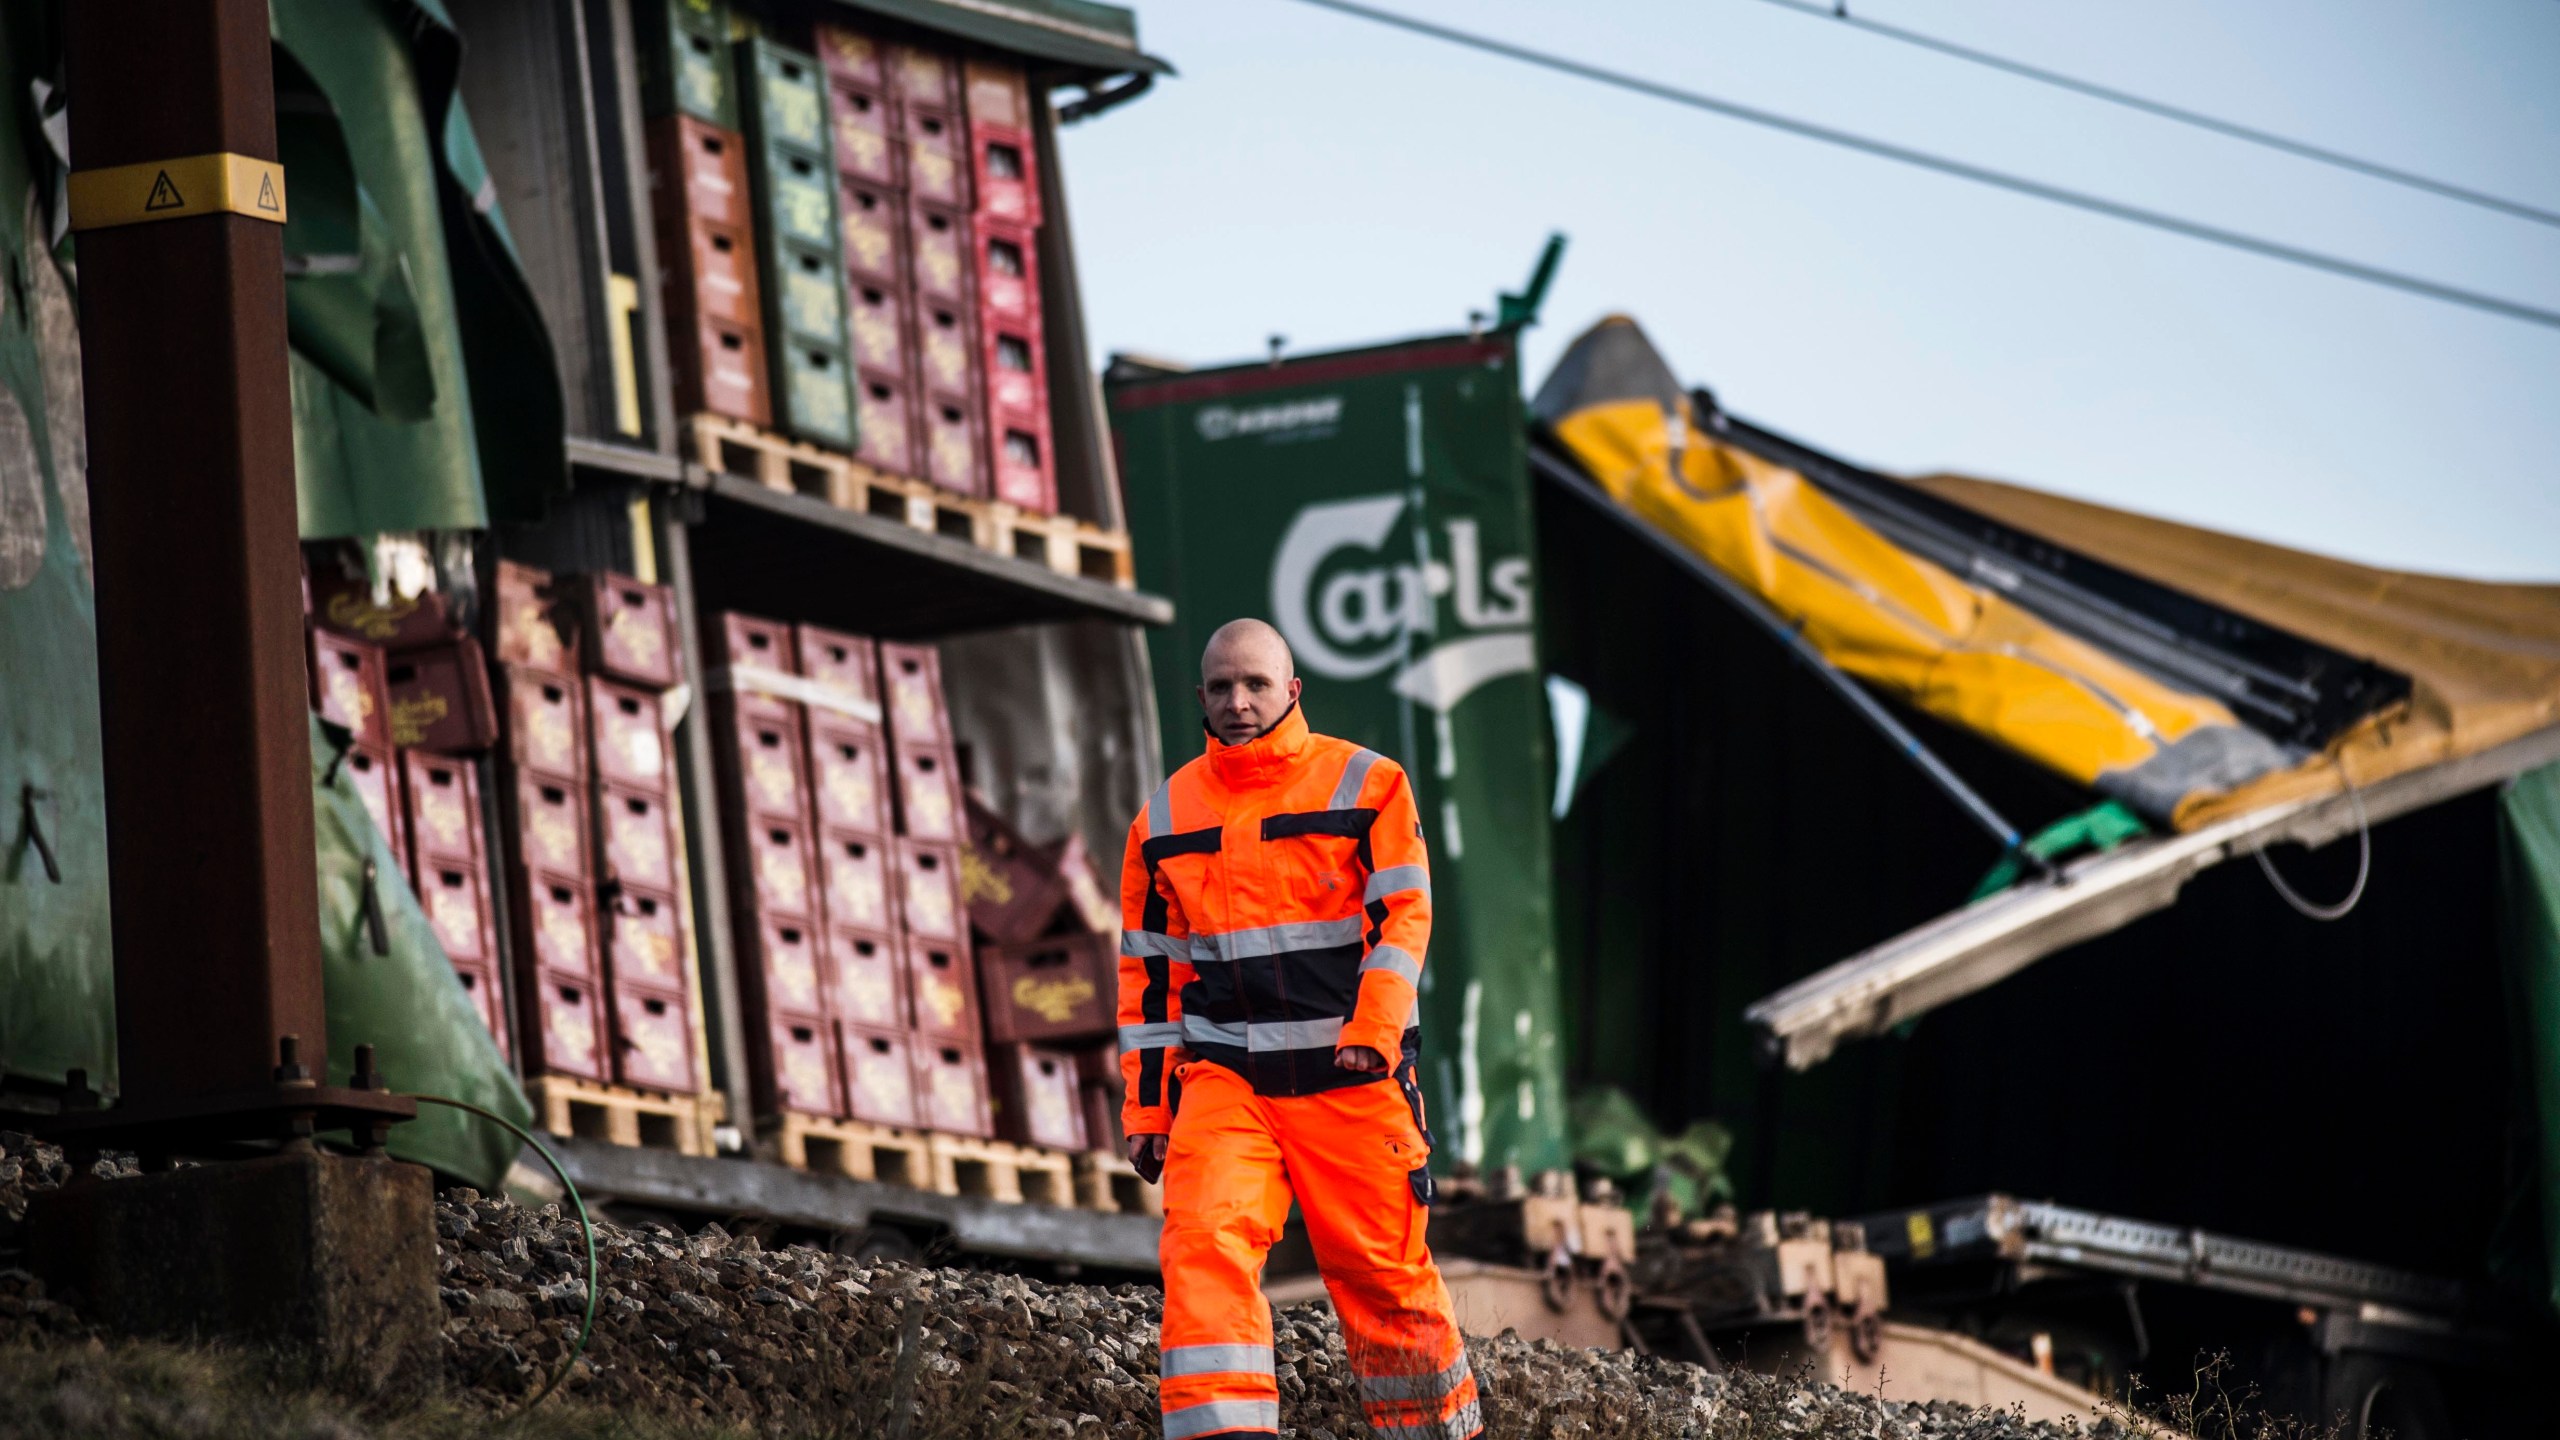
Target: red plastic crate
766,736
998,93
629,629
941,253
455,895
344,604
347,686
533,626
551,825
444,808
926,879
882,331
1017,382
1035,1094
1002,176
937,155
724,284
1024,472
638,833
646,941
739,639
866,134
1008,277
565,1025
787,967
942,988
951,1087
849,775
921,76
480,985
850,663
954,444
546,721
719,367
886,414
375,774
653,1038
778,860
701,172
851,56
928,792
629,726
855,872
872,233
1052,990
870,978
911,694
556,926
947,358
440,697
802,1058
880,1076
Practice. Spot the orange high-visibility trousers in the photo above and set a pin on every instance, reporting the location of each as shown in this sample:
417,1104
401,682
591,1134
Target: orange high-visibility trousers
1349,1155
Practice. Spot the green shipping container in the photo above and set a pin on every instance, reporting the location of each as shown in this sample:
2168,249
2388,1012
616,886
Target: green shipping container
1374,505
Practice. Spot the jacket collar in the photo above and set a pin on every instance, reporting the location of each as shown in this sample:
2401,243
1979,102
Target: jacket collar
1263,760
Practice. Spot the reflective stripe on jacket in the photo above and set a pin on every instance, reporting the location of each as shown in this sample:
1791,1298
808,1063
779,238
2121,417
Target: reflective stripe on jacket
1276,905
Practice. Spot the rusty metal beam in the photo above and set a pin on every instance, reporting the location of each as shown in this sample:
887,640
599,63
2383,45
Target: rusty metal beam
200,649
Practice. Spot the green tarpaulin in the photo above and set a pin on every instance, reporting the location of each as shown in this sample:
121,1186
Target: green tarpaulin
425,394
57,999
402,998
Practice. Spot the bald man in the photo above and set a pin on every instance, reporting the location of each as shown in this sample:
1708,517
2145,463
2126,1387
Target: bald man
1276,901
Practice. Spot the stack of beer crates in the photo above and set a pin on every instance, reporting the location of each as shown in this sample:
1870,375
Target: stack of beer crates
413,692
628,636
604,997
704,209
783,99
903,184
1006,260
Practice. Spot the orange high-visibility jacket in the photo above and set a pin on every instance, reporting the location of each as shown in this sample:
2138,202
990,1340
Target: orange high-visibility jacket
1275,905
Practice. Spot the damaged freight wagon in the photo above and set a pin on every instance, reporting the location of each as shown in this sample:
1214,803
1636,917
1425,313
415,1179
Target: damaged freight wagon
2083,713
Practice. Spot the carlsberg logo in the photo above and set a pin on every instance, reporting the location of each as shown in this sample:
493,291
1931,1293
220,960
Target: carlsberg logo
1348,621
1226,422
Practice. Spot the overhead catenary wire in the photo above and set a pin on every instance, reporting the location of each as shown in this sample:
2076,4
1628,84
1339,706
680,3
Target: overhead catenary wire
1982,175
2230,128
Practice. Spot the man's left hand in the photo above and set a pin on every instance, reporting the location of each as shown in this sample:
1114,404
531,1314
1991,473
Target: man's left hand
1360,1058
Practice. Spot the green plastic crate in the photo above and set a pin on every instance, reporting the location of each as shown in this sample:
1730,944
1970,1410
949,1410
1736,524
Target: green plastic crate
813,396
811,299
799,197
684,60
785,96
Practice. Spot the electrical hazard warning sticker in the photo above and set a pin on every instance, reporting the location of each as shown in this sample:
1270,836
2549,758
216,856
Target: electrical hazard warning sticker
177,189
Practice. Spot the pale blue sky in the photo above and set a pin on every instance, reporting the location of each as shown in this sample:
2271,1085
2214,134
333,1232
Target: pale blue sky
1324,178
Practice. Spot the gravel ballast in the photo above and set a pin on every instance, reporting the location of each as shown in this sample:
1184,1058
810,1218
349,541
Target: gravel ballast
718,1328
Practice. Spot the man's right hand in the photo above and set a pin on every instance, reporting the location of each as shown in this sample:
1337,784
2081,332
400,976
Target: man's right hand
1146,1153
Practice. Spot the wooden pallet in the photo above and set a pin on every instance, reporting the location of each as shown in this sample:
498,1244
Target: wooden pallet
1001,1170
1061,543
857,1150
640,1119
1110,1184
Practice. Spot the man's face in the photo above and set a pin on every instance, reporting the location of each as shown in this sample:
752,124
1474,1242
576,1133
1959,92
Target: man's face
1245,689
